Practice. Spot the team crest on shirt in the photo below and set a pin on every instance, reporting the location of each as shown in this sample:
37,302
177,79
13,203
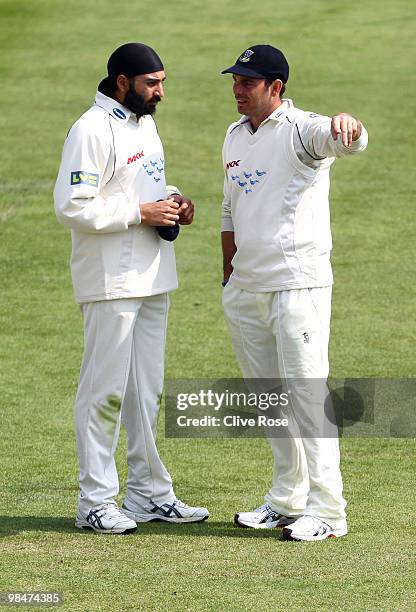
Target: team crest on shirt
154,168
247,181
246,56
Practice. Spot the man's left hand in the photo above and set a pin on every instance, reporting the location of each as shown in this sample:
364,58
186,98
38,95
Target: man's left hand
186,209
349,127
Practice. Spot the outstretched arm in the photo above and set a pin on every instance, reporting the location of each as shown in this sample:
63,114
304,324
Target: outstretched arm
338,136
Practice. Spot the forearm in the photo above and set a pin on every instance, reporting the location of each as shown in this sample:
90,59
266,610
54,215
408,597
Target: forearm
96,214
323,140
228,251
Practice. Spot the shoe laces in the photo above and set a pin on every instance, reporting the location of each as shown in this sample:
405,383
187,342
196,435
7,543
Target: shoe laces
109,509
312,524
265,508
179,503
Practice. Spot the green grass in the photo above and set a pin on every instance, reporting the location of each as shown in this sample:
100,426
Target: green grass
355,56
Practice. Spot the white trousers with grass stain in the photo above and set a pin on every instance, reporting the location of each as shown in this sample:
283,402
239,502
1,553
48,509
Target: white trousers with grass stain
285,335
121,378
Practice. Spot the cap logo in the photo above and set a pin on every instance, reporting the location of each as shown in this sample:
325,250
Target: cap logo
246,56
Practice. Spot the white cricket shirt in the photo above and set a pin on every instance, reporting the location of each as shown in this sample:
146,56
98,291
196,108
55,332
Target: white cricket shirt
276,202
110,164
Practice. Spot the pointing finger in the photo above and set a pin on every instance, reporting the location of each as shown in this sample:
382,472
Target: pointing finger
335,127
344,131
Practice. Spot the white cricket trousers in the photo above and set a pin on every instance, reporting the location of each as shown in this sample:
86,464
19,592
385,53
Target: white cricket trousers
121,378
268,334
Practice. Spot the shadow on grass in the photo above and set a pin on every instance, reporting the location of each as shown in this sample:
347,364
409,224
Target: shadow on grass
13,525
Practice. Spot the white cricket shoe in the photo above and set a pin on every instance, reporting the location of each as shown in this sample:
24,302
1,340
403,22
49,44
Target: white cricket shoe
174,511
310,528
106,518
262,517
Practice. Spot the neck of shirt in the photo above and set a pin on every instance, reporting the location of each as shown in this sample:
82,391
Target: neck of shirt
253,129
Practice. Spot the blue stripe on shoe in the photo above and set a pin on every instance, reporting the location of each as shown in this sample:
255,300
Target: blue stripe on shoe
166,509
94,519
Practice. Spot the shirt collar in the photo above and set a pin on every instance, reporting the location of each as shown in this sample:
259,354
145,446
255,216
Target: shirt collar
278,115
281,112
114,108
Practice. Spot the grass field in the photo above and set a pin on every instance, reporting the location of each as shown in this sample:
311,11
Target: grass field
355,56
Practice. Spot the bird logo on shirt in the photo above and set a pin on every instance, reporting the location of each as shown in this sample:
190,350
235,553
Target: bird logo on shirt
154,165
254,177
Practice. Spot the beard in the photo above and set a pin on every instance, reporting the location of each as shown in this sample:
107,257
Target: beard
138,105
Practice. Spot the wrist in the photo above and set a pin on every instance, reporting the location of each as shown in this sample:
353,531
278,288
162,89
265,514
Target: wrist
143,213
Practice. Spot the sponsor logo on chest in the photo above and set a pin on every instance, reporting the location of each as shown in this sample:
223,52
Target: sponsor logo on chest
233,164
135,157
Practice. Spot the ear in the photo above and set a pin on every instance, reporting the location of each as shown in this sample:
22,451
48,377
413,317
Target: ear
123,84
277,87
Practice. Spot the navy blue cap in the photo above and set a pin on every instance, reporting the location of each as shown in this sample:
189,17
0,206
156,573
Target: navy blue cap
261,62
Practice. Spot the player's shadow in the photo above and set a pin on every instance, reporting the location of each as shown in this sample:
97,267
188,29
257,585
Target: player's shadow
13,525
